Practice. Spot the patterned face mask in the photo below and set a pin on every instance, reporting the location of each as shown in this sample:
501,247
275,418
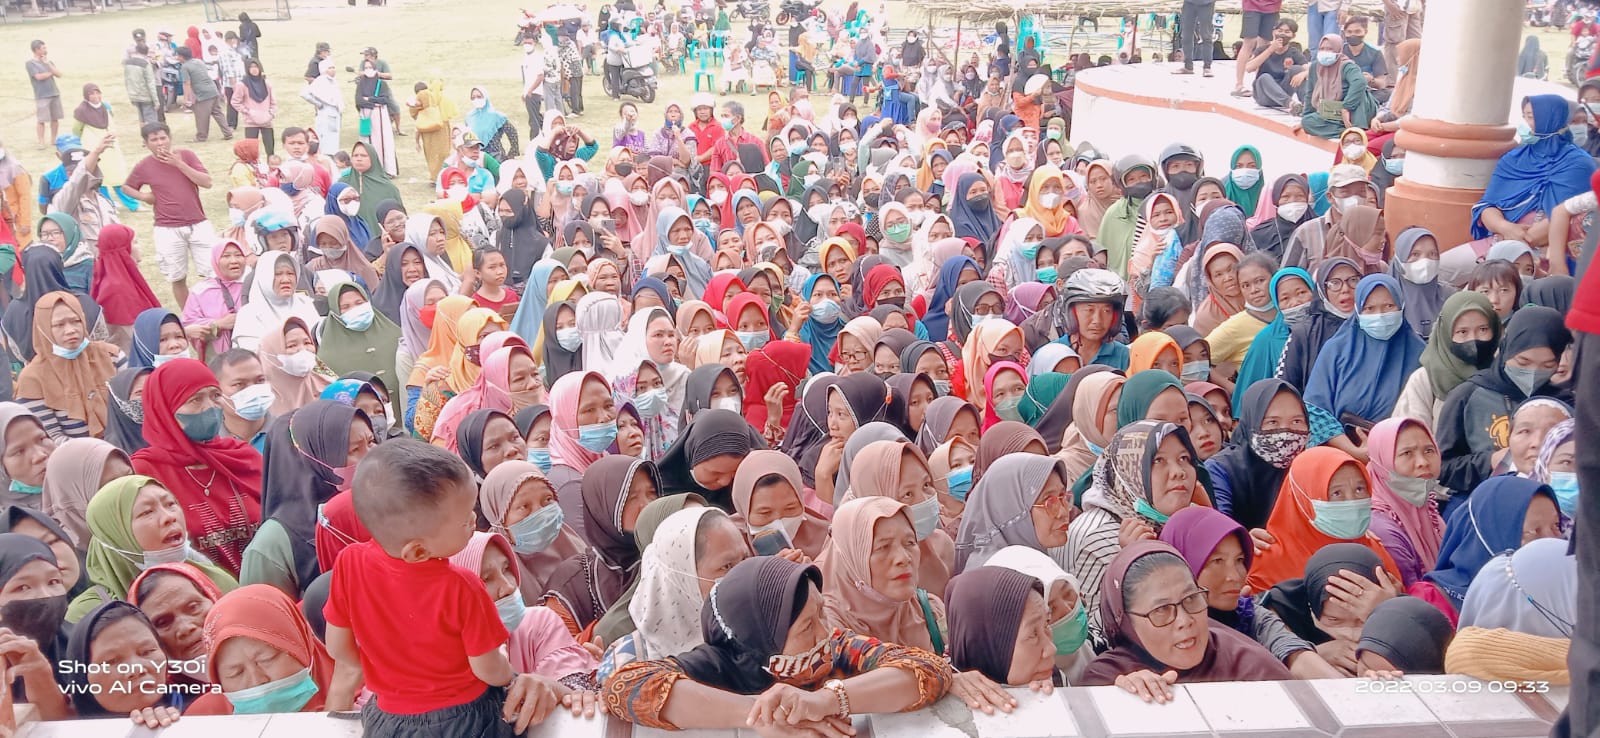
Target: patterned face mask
1278,448
134,409
802,667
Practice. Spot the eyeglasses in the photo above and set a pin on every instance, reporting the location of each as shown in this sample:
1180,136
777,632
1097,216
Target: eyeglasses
1193,603
1053,503
1348,284
854,356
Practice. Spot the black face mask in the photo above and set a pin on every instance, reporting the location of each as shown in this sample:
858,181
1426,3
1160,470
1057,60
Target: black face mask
978,203
1138,191
1182,180
997,358
624,169
898,302
1479,354
38,619
1355,42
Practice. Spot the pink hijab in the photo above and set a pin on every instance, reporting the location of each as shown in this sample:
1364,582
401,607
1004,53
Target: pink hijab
492,391
1422,525
541,644
564,446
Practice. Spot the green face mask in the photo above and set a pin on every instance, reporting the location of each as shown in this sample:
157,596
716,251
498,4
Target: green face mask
1008,409
1069,632
898,233
1148,511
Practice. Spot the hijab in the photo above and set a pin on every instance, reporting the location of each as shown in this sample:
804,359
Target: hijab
1537,176
1084,439
590,583
494,500
665,607
118,286
72,480
745,621
125,417
344,349
619,620
713,433
1533,327
1254,482
1444,368
261,612
147,336
850,602
43,274
1261,360
1532,590
1410,633
1291,521
115,559
938,320
1421,525
986,609
264,310
80,650
69,387
1300,601
1486,525
998,511
291,392
1196,532
1245,197
304,454
1422,303
1358,373
970,223
812,534
807,433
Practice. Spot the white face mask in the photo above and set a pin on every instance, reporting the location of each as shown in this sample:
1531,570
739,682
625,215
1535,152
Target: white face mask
456,193
1354,151
1050,199
299,363
787,526
1345,203
479,102
728,403
639,198
1421,271
1292,211
350,207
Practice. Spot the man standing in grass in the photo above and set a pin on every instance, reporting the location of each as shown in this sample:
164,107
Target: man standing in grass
46,95
175,177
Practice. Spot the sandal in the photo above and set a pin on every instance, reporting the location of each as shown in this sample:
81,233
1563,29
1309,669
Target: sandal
1183,70
1205,72
1240,92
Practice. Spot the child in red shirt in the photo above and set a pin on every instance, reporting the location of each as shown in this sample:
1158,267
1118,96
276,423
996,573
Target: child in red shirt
490,266
423,636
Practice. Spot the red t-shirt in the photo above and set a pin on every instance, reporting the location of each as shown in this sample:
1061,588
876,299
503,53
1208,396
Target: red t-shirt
706,135
416,625
1585,312
177,199
507,307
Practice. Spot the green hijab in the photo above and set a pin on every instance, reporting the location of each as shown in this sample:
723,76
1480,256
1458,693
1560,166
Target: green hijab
617,622
1139,391
115,558
69,228
347,350
1043,389
1446,370
374,187
1245,197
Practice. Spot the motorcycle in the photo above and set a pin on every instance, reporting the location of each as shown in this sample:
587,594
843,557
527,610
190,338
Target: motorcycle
793,10
638,75
752,10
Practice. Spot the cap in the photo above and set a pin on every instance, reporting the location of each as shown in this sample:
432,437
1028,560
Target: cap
1344,174
68,141
470,139
370,51
702,100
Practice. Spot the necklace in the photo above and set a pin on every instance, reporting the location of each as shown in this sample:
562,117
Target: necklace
206,485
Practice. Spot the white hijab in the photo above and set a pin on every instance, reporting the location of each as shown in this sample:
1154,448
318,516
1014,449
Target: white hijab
264,310
600,322
666,606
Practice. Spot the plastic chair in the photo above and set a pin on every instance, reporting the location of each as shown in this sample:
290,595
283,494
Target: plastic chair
703,56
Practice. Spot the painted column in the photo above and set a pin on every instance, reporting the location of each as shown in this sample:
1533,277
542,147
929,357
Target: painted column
1457,129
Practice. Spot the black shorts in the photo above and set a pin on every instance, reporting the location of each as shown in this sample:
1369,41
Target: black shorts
1258,25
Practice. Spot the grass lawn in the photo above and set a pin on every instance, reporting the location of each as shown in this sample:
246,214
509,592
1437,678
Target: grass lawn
465,43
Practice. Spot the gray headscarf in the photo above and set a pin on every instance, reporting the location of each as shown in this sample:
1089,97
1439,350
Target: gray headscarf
1421,303
864,436
998,510
1224,225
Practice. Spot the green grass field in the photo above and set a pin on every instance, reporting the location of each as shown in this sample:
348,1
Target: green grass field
465,43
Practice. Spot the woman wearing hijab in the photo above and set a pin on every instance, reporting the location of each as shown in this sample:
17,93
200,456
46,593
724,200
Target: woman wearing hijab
614,491
370,176
999,627
877,596
1331,308
37,599
1145,647
1221,297
1518,617
100,689
1503,514
1320,606
273,299
125,409
82,466
1272,430
1416,268
356,337
297,377
43,275
577,401
973,213
213,305
118,553
520,504
1025,502
154,341
1326,499
63,388
1527,359
1244,182
331,236
519,237
507,384
118,286
269,619
216,478
1404,468
706,457
1093,419
762,490
888,468
1362,368
1534,177
1465,336
1336,92
1289,285
1405,634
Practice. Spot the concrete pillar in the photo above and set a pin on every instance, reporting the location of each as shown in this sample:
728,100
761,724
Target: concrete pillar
1457,128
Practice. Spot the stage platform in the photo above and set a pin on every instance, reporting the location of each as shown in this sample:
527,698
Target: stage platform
1140,108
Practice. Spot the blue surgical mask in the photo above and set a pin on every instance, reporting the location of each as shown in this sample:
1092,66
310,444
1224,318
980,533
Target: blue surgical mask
925,517
1381,326
1148,511
25,489
827,311
1396,167
540,457
566,187
753,340
69,353
1525,134
798,147
651,404
1070,631
1196,371
1327,57
1046,275
1030,249
597,437
358,318
1343,519
202,426
1565,485
536,532
288,694
960,481
511,608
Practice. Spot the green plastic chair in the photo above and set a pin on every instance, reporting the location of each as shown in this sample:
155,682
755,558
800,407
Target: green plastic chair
710,77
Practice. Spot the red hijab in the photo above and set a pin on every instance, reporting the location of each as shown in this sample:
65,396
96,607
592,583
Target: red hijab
119,287
879,277
338,528
263,613
717,290
778,362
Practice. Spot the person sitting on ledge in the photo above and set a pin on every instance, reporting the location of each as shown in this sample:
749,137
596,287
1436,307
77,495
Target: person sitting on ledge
1335,91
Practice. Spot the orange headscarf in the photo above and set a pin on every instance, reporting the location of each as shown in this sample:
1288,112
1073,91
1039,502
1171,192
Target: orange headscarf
263,613
1297,538
1145,349
975,355
442,343
1059,220
464,372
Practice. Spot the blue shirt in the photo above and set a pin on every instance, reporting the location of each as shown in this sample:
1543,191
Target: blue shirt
1112,354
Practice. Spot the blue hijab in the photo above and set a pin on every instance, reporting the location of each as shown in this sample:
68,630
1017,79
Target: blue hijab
485,122
360,234
820,335
1488,524
1261,361
530,311
1537,176
944,290
1359,374
147,336
1318,182
737,198
983,226
660,288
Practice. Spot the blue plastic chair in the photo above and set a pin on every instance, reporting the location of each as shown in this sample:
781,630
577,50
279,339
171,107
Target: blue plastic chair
710,77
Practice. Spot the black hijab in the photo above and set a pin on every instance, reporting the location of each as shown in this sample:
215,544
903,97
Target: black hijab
746,622
44,273
1411,633
558,362
1530,327
469,437
13,514
1555,292
1299,601
391,292
520,239
1273,235
529,415
808,427
373,248
1307,337
255,84
855,305
125,418
302,450
699,386
898,413
713,433
80,650
590,583
40,619
985,607
1254,482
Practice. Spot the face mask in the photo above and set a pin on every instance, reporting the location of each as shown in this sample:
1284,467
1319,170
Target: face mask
1525,134
651,403
299,363
511,608
1016,160
1296,314
569,338
69,353
1477,353
157,361
288,694
1292,211
202,426
26,489
978,204
350,207
827,311
1354,151
1278,448
1069,632
358,318
597,437
236,217
1421,271
1381,326
727,123
39,619
253,402
176,554
1138,191
941,387
1396,167
1050,200
1245,178
1326,58
536,532
1346,519
731,404
1182,180
639,197
898,233
703,225
380,428
1345,203
1529,380
1007,409
565,187
1565,485
815,658
539,457
1196,371
1414,490
753,340
1046,275
1149,512
1030,249
925,517
788,527
456,193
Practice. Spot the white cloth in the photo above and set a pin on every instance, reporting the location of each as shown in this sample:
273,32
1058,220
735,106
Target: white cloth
666,606
263,310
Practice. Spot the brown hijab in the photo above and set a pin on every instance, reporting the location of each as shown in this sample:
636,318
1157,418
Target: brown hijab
74,387
353,260
812,534
1216,307
1359,237
1407,55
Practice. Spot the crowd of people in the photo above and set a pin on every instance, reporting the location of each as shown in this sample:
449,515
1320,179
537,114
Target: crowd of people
762,423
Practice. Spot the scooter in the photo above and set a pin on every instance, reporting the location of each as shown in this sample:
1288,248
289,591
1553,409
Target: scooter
638,74
795,10
752,10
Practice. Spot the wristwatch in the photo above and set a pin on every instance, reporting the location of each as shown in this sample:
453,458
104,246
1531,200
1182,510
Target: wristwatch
837,687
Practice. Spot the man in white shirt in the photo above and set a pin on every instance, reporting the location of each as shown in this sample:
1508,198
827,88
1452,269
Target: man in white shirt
533,73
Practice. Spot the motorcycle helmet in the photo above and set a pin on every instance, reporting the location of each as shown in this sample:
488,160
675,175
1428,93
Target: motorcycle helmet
272,221
1175,150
